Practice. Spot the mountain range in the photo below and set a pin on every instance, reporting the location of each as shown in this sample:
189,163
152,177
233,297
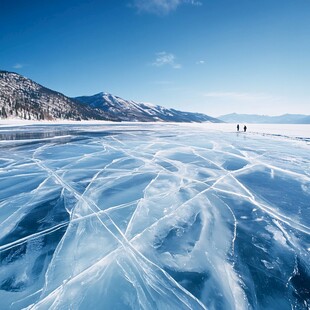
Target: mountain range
128,110
265,119
23,98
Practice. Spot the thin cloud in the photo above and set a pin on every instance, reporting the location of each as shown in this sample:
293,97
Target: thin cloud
244,97
166,59
18,66
161,7
200,62
234,95
163,82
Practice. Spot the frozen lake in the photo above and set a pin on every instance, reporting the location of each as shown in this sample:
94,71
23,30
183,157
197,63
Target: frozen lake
154,216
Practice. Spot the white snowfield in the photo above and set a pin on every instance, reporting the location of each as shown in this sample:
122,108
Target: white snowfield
154,216
285,130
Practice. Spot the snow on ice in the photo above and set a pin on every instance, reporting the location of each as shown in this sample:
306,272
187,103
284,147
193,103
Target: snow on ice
153,216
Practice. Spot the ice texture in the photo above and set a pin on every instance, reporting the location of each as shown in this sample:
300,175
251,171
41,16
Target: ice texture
153,216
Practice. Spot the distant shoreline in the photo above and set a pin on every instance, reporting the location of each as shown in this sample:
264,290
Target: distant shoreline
299,131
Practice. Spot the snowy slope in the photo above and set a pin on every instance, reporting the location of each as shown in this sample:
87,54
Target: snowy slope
23,98
128,110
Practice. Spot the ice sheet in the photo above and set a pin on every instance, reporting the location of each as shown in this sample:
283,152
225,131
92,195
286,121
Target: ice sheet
153,216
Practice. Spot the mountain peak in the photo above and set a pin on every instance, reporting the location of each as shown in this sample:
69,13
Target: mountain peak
129,110
21,97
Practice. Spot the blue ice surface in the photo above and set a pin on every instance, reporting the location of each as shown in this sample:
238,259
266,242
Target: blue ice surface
153,216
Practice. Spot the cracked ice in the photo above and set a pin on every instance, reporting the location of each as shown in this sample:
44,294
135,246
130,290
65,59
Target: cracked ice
153,216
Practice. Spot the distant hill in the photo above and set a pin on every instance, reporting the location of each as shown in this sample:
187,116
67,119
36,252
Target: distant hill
264,119
128,110
23,98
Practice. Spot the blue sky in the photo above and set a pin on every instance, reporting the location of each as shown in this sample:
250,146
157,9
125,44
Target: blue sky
215,57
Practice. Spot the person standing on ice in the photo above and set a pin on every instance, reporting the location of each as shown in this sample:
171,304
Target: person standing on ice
237,127
244,128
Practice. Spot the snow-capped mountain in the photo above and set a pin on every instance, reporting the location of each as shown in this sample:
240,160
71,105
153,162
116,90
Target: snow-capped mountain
265,119
23,98
128,110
